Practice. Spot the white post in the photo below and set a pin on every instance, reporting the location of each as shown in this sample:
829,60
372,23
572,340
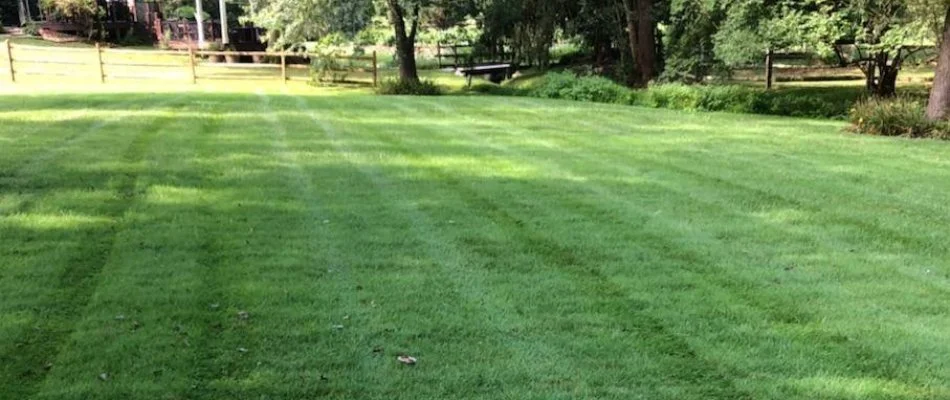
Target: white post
201,24
224,22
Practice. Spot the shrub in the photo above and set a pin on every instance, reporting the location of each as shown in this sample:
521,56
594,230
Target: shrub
899,116
676,96
32,28
327,66
737,99
563,85
497,90
811,102
401,87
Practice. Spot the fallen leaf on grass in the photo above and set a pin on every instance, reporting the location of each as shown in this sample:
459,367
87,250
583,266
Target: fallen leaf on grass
408,360
243,315
242,350
338,327
103,376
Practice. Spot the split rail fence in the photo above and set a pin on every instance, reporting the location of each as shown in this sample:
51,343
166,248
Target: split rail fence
103,64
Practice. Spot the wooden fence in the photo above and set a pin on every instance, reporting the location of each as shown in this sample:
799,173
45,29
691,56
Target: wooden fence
103,64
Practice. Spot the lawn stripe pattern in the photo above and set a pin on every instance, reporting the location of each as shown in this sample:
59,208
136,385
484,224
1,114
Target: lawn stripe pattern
282,244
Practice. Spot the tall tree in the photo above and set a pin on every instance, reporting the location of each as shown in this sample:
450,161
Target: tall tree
689,40
402,12
939,104
641,31
23,8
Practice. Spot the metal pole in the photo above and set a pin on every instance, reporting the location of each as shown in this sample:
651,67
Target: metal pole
224,22
199,18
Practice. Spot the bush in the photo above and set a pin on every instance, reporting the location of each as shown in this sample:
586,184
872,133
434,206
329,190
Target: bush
676,96
597,89
899,116
497,90
401,87
807,102
32,28
327,66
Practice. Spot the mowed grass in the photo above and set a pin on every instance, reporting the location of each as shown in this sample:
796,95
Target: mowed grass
290,244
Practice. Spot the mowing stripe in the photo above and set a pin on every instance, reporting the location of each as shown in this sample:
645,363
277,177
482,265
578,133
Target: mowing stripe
45,337
570,262
584,265
466,282
44,160
858,351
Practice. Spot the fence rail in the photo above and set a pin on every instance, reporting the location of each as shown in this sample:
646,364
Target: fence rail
190,61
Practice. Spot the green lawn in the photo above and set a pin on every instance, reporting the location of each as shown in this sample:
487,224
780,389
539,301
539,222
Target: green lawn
287,244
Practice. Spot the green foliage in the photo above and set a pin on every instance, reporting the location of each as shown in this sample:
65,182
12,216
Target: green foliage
403,87
327,66
899,116
291,22
188,12
527,27
689,47
675,96
497,90
82,12
808,102
565,85
751,27
31,28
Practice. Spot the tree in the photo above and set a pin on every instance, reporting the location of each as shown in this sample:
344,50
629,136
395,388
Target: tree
756,28
526,27
401,12
23,10
641,31
292,22
83,13
887,33
939,104
689,40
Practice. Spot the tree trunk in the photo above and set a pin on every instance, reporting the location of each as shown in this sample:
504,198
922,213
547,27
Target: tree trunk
881,77
939,102
24,11
633,38
405,41
646,46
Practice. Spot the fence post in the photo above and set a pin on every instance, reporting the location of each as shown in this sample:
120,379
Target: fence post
769,69
283,67
10,60
438,52
102,71
191,64
375,70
